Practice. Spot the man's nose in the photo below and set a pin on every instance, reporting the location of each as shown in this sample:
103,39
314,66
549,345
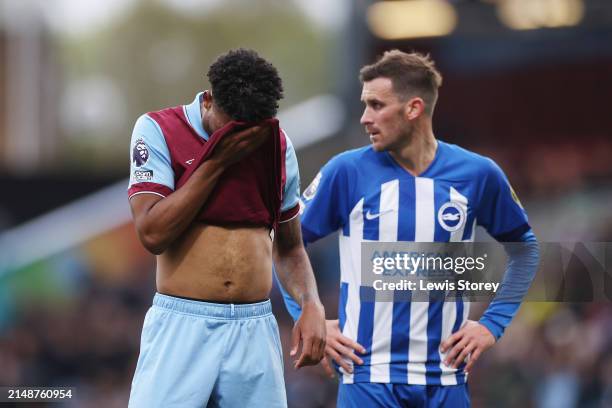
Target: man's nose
365,118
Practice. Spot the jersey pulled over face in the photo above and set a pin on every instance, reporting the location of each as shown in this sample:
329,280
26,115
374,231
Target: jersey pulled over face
151,161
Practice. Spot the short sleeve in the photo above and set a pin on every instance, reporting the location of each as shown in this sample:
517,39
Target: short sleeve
500,212
291,192
325,201
150,169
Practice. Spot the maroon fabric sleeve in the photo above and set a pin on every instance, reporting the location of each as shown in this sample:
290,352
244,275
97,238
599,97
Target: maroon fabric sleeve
290,213
149,188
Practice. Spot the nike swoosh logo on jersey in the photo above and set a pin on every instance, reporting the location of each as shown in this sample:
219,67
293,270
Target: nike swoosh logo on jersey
370,216
189,161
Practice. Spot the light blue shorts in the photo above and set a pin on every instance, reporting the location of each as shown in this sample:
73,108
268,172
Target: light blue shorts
200,354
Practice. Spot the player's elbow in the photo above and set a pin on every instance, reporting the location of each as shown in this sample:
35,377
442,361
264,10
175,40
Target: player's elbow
155,249
154,238
154,243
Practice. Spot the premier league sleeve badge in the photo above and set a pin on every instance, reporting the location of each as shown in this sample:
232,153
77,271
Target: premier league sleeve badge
140,153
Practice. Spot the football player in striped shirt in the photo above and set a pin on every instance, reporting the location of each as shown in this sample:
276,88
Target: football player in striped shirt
409,186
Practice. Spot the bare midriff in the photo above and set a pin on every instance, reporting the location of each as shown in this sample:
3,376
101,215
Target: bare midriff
218,264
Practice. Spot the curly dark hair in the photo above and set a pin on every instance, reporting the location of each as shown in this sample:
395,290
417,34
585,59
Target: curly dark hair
245,86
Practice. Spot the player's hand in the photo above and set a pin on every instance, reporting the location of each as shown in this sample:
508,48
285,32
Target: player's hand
309,330
237,145
340,349
471,341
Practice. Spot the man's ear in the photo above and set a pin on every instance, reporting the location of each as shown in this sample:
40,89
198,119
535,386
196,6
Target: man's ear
415,107
208,99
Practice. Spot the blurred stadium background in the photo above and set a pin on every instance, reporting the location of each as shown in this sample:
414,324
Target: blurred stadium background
527,82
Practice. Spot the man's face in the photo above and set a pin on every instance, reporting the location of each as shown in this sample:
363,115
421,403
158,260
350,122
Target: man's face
384,116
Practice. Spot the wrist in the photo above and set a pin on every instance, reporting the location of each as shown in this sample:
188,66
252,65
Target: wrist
213,166
311,303
494,329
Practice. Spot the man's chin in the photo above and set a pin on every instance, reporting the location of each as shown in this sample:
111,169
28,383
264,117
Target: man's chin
378,147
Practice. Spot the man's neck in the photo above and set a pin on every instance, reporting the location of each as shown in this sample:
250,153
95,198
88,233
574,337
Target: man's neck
416,156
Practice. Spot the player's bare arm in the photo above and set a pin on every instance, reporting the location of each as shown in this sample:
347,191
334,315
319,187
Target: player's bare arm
159,221
294,270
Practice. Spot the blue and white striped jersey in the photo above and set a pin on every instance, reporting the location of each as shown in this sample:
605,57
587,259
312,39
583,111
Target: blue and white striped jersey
368,197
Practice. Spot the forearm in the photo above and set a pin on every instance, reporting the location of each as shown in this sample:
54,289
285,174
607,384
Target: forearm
296,276
169,217
520,272
293,308
294,271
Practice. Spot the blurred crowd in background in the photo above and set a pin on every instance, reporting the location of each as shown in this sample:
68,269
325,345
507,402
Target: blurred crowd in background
526,82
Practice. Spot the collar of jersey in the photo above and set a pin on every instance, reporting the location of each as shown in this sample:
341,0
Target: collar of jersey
429,170
194,116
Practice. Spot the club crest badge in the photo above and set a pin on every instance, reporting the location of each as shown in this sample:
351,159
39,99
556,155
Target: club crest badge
140,153
451,216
